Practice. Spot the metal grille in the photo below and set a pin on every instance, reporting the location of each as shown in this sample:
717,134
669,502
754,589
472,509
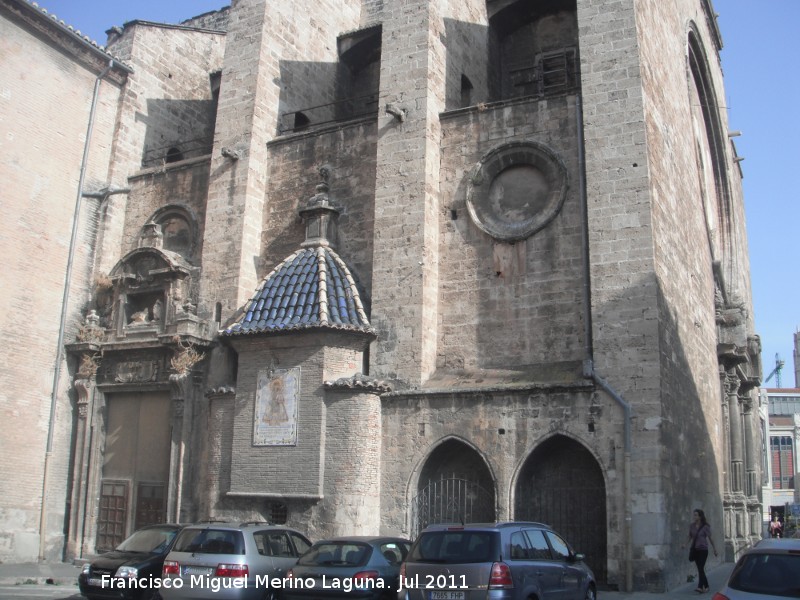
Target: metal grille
562,485
451,500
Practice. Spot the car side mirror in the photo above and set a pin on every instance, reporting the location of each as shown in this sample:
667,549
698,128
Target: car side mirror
578,557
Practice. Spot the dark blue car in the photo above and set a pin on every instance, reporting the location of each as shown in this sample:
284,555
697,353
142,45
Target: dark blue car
348,567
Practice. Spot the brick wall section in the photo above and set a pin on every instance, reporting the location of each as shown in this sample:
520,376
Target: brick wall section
684,250
624,292
353,439
466,34
45,101
291,471
508,305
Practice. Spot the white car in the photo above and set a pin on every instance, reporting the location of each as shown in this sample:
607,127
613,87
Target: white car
768,571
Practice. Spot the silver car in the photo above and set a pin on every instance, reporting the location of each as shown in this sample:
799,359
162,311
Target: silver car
770,570
494,561
230,562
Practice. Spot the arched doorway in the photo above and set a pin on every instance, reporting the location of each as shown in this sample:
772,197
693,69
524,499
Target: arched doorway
562,484
455,486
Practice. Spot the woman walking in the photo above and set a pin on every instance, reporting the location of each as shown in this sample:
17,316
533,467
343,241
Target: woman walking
699,540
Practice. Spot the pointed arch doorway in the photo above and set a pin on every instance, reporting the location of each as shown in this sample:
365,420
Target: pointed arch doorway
562,484
455,486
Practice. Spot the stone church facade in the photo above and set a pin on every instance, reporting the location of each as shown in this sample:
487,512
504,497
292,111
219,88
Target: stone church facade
363,265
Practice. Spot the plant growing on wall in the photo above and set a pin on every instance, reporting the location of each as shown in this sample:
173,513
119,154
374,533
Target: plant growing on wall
185,357
88,366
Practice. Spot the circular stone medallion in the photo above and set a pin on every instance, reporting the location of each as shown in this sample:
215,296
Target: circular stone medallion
516,190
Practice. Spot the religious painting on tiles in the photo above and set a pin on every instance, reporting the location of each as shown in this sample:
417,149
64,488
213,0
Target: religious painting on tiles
275,415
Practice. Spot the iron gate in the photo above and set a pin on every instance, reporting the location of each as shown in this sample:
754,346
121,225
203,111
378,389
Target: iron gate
577,512
451,500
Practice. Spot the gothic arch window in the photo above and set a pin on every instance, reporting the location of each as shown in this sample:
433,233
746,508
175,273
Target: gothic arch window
710,147
455,485
179,229
533,48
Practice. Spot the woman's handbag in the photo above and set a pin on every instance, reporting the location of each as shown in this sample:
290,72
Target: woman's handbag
691,548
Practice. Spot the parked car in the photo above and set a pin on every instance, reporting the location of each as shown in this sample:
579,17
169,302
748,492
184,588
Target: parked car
348,567
768,570
132,571
495,561
227,561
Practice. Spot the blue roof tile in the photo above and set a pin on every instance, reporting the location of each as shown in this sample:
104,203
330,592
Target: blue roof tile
311,288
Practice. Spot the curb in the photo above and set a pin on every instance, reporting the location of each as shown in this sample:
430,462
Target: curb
39,580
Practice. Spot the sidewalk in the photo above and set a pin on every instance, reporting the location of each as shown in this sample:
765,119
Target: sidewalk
717,576
56,573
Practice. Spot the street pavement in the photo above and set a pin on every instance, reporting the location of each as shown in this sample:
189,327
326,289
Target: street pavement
717,576
39,581
58,581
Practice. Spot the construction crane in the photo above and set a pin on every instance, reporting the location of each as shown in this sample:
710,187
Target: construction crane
776,371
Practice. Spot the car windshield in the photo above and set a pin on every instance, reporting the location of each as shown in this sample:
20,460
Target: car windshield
210,541
769,574
453,547
148,540
338,554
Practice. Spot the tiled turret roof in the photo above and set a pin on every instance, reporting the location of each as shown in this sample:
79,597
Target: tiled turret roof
311,288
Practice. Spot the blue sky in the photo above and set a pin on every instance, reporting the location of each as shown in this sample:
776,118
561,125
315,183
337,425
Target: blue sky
760,61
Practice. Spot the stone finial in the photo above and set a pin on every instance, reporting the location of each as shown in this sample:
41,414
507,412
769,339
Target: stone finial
151,237
320,214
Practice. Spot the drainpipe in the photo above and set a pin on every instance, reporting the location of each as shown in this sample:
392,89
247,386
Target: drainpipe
63,322
588,363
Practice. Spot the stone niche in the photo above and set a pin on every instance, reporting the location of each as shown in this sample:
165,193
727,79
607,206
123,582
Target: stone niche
153,294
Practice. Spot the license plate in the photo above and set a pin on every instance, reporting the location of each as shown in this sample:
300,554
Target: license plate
197,570
447,596
96,582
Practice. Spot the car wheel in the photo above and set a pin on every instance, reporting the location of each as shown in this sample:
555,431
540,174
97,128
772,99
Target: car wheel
590,594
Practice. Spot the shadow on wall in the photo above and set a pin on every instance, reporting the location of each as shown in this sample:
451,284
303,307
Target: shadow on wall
177,130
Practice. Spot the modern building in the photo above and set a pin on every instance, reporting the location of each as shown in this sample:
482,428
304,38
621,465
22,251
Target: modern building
365,265
782,437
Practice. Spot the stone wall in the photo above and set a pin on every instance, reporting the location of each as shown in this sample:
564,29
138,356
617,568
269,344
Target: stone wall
262,37
45,103
184,184
294,162
216,20
168,103
503,427
508,304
